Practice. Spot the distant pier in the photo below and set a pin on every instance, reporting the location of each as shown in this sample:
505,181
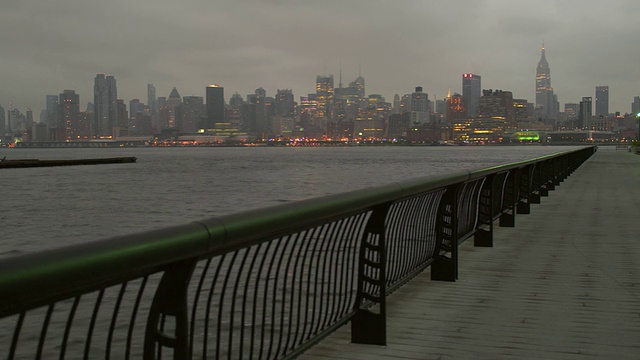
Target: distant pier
29,163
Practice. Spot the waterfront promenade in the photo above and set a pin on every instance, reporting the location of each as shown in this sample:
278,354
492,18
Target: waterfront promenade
564,283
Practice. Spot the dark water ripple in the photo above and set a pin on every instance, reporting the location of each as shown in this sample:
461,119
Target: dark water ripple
50,207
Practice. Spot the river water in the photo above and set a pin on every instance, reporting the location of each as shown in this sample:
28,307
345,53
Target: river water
42,208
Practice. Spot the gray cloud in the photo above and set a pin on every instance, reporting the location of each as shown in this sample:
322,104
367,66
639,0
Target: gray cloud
242,45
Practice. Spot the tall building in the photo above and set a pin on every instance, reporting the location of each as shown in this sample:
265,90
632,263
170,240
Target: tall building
584,116
546,101
635,105
123,116
396,104
51,111
68,116
471,91
571,111
324,93
419,106
284,103
168,117
189,114
152,100
455,108
215,106
602,100
105,105
498,105
3,126
358,83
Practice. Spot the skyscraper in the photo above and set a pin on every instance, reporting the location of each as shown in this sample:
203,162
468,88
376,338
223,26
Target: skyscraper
105,103
635,105
455,108
215,106
602,100
152,100
51,111
546,102
419,106
471,91
169,119
285,104
585,113
359,85
3,126
68,116
189,114
324,93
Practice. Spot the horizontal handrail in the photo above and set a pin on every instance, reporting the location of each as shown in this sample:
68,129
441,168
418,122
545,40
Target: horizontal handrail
34,280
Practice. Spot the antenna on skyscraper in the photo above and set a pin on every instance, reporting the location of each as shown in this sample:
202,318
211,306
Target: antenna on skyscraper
340,81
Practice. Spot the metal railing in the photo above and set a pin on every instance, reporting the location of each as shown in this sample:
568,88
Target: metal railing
266,283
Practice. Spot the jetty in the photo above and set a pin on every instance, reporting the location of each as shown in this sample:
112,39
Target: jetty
29,163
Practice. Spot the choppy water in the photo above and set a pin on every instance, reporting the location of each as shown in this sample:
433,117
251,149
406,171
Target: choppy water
42,208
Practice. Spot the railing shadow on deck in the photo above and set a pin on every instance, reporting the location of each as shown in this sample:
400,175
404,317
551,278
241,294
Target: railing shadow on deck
266,283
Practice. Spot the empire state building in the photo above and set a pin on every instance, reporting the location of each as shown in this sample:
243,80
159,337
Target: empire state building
546,101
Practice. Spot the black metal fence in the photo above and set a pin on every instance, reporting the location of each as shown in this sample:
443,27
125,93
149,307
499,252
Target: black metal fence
263,284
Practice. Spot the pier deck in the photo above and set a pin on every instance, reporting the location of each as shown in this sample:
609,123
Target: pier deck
564,283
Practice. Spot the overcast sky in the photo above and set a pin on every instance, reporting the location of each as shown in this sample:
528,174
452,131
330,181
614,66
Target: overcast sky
49,46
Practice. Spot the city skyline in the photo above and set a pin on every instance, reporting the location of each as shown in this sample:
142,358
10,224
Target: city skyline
278,45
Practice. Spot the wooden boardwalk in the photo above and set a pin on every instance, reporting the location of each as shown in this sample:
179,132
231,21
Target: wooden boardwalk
564,283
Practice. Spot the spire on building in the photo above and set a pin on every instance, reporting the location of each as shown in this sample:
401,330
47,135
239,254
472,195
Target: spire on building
174,94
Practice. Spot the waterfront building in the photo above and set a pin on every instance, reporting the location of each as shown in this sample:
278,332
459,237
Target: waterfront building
167,111
123,115
3,126
68,119
585,113
189,114
285,106
635,105
419,106
369,124
51,111
105,105
215,106
233,113
152,100
143,124
324,95
602,100
571,114
358,84
455,108
398,126
546,101
396,104
471,91
521,111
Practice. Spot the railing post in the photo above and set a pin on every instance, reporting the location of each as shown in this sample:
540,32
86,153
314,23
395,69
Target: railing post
544,180
510,199
446,268
368,327
524,201
483,237
549,176
170,301
535,184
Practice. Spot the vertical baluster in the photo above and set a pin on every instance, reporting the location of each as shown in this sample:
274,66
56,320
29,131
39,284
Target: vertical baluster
368,327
